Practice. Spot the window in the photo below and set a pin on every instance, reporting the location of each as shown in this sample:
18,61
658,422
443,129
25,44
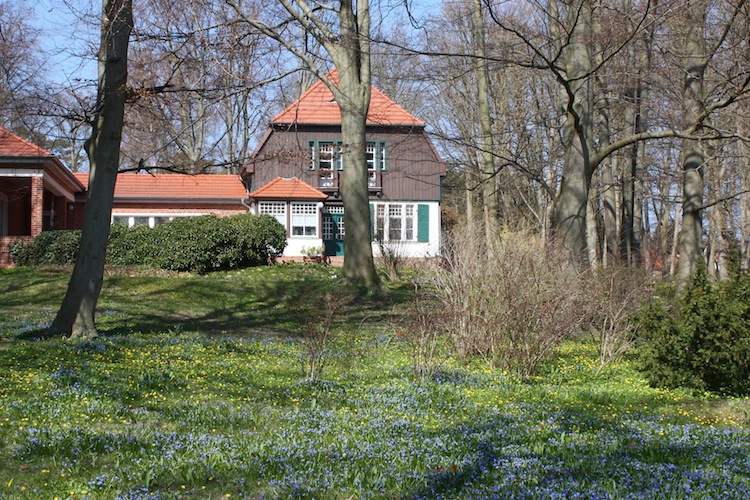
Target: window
325,155
394,222
276,209
375,153
328,155
146,219
304,219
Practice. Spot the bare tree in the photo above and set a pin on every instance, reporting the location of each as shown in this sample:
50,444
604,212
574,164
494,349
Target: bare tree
347,40
76,314
19,65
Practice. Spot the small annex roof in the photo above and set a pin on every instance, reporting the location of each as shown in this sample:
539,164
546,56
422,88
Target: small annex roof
317,106
14,145
175,186
282,188
16,152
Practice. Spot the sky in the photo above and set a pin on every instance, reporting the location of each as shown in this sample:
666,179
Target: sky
69,34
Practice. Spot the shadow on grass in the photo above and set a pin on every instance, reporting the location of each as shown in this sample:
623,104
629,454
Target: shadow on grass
271,301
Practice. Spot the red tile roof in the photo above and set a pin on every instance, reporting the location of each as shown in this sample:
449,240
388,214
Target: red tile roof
13,145
317,106
162,186
288,189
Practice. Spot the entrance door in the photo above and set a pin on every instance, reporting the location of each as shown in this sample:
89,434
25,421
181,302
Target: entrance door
333,231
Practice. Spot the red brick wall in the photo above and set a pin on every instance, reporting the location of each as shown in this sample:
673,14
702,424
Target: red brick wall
6,243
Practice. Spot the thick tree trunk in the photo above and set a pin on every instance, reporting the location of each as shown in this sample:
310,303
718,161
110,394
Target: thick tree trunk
77,312
352,59
359,266
691,234
570,217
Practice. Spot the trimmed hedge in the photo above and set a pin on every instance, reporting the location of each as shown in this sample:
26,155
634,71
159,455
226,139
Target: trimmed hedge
193,244
699,339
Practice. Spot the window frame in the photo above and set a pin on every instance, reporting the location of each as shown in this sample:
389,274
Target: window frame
277,214
378,160
309,214
389,218
154,218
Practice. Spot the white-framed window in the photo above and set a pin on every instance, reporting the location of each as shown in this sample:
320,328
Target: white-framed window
276,209
304,219
325,155
149,220
328,155
395,222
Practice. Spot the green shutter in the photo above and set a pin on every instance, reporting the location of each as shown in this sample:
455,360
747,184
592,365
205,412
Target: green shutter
423,223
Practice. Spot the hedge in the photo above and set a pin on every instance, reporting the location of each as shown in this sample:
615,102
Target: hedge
193,244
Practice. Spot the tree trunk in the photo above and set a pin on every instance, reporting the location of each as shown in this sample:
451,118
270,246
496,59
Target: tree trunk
486,144
77,312
570,217
691,234
352,59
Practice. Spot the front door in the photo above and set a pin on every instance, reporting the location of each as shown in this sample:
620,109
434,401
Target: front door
333,230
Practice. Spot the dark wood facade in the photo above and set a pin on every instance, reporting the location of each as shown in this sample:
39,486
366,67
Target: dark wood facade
412,169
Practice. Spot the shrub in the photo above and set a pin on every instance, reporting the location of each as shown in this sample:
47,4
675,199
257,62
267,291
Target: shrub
615,295
48,248
193,244
422,327
210,243
701,338
512,303
130,246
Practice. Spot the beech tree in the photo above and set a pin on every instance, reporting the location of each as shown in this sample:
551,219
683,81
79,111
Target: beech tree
344,32
76,316
20,66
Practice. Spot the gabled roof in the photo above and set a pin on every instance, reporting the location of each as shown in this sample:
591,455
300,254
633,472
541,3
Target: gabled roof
171,186
13,145
317,106
288,189
16,152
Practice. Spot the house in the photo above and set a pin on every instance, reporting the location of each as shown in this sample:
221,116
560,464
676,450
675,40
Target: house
38,193
295,175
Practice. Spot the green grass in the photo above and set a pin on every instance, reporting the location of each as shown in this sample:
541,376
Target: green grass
195,390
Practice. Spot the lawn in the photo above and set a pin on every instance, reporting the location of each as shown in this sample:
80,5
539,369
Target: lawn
195,389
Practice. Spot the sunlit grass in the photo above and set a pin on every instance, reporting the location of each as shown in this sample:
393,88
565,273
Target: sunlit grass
191,411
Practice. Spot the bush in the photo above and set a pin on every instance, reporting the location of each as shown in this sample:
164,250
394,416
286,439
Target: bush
209,243
192,244
511,303
130,246
615,295
48,248
699,339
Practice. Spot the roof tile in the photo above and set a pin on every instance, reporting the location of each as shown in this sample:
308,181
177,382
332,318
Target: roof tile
13,145
288,189
161,186
317,106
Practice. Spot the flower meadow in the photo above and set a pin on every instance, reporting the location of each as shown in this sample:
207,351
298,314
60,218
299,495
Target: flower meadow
188,414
